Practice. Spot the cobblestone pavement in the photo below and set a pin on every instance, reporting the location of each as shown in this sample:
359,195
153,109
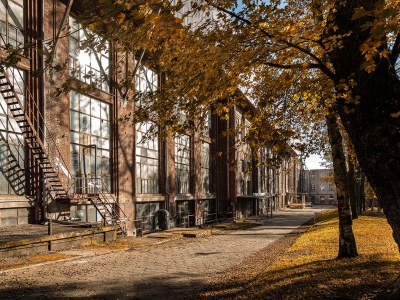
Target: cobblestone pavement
164,271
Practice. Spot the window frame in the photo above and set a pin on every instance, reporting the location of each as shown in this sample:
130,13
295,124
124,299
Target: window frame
81,140
5,25
93,76
206,168
179,189
141,161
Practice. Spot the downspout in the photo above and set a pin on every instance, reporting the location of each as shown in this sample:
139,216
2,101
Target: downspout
217,194
42,94
167,198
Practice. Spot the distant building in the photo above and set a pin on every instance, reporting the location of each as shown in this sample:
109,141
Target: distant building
321,188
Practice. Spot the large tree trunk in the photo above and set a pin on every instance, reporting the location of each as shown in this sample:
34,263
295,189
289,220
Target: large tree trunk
347,242
371,125
352,190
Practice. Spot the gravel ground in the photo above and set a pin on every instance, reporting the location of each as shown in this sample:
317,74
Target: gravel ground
230,283
189,268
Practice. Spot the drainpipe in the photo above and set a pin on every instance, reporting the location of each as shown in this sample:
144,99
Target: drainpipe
166,174
217,191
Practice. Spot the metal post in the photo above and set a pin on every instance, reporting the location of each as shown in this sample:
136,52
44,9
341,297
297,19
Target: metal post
50,232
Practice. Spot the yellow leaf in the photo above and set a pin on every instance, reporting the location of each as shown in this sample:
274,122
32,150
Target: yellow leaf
395,115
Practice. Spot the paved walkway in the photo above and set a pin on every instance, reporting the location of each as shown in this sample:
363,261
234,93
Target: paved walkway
165,271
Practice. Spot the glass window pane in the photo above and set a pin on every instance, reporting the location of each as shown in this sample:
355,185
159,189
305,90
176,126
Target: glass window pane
84,104
96,108
95,126
105,129
74,122
105,111
16,15
2,11
84,123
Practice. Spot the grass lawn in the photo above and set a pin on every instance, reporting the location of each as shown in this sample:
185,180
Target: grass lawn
310,268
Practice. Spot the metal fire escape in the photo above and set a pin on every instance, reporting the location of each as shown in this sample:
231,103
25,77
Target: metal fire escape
51,163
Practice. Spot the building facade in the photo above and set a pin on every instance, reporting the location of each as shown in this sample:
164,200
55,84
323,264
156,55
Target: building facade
67,155
321,189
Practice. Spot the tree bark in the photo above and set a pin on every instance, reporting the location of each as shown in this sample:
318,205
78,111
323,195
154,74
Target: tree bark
354,197
362,195
370,124
347,242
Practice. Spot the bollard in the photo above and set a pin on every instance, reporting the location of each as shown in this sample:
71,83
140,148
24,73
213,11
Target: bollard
50,232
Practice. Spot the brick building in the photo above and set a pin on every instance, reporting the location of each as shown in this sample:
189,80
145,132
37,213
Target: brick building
64,155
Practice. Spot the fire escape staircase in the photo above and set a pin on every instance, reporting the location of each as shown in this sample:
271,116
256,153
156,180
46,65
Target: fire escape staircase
105,204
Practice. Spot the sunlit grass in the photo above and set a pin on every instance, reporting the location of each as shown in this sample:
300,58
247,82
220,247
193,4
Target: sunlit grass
310,268
35,259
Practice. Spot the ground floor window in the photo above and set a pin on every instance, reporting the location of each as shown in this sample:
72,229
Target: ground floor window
206,211
247,206
16,216
146,213
86,213
185,213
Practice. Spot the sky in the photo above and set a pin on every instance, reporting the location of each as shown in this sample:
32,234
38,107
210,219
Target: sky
313,162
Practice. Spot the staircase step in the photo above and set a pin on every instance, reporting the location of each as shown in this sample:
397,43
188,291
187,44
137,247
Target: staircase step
13,103
9,97
59,186
10,168
5,91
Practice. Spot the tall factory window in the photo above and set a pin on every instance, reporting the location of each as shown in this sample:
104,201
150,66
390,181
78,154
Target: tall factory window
146,83
182,163
89,64
205,167
90,138
147,160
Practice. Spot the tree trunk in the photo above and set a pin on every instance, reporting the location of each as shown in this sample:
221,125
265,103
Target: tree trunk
371,123
347,242
361,202
354,197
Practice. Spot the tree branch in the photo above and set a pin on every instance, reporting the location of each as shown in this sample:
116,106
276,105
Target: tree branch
395,51
294,66
320,63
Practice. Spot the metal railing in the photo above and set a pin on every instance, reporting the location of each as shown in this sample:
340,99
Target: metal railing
11,35
147,186
96,186
87,74
209,217
85,185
